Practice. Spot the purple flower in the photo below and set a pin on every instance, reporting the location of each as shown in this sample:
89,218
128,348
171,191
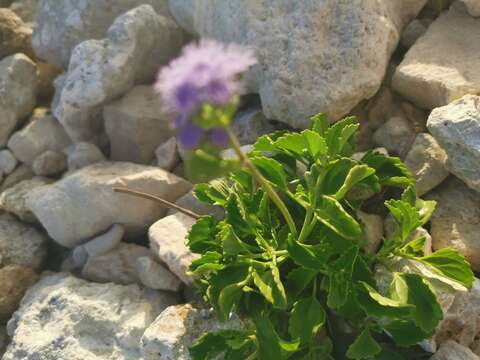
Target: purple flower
204,73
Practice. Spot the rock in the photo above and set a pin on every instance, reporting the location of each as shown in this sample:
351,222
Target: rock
62,26
396,135
46,74
26,9
117,266
167,154
21,244
454,351
249,125
15,36
460,322
102,244
82,154
42,133
8,162
3,340
13,199
155,276
23,172
456,127
18,78
176,329
442,65
50,163
63,317
381,108
190,202
412,33
473,7
373,231
306,65
455,222
168,243
426,161
136,44
136,125
14,281
101,207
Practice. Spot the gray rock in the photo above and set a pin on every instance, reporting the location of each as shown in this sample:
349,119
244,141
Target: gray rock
456,127
50,163
442,65
3,340
249,125
167,154
63,317
155,276
82,154
168,243
21,244
306,65
426,161
8,162
177,328
18,91
455,220
473,7
117,266
13,199
26,9
22,172
136,44
454,351
42,133
102,244
15,35
396,135
190,202
14,281
90,206
63,25
412,32
136,126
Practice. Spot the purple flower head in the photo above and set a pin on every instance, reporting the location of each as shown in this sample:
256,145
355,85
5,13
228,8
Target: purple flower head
204,73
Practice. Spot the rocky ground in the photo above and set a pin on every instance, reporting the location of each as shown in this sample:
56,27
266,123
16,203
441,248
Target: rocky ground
87,273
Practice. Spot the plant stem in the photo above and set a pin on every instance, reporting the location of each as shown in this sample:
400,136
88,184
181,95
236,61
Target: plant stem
158,199
263,182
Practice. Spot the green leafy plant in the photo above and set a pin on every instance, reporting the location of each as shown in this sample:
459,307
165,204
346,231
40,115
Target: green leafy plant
289,256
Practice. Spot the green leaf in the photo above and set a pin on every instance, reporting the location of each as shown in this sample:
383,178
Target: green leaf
320,123
210,345
365,346
271,287
375,304
298,280
204,165
307,256
340,277
331,213
415,247
315,144
268,341
405,332
427,312
229,296
272,170
231,243
208,262
202,235
451,264
216,192
390,170
405,215
425,209
355,176
340,137
306,319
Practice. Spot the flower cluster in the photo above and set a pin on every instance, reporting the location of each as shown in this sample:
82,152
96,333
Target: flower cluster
206,73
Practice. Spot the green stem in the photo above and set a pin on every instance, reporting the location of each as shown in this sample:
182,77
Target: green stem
263,182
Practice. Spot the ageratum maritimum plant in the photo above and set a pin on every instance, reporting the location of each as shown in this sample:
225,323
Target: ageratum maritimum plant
289,256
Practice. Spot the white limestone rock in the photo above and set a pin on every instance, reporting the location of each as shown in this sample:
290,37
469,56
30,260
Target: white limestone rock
63,317
136,126
90,206
473,7
18,91
155,276
451,350
396,135
136,45
456,127
314,56
168,243
442,65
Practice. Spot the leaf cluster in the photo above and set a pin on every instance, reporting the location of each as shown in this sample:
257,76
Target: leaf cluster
295,290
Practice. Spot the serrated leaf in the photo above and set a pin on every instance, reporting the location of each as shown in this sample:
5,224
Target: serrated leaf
355,176
390,170
364,347
215,192
405,215
306,319
272,170
208,262
320,123
210,345
425,210
307,256
452,265
268,341
375,304
340,137
271,287
201,237
331,213
340,279
231,243
415,247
